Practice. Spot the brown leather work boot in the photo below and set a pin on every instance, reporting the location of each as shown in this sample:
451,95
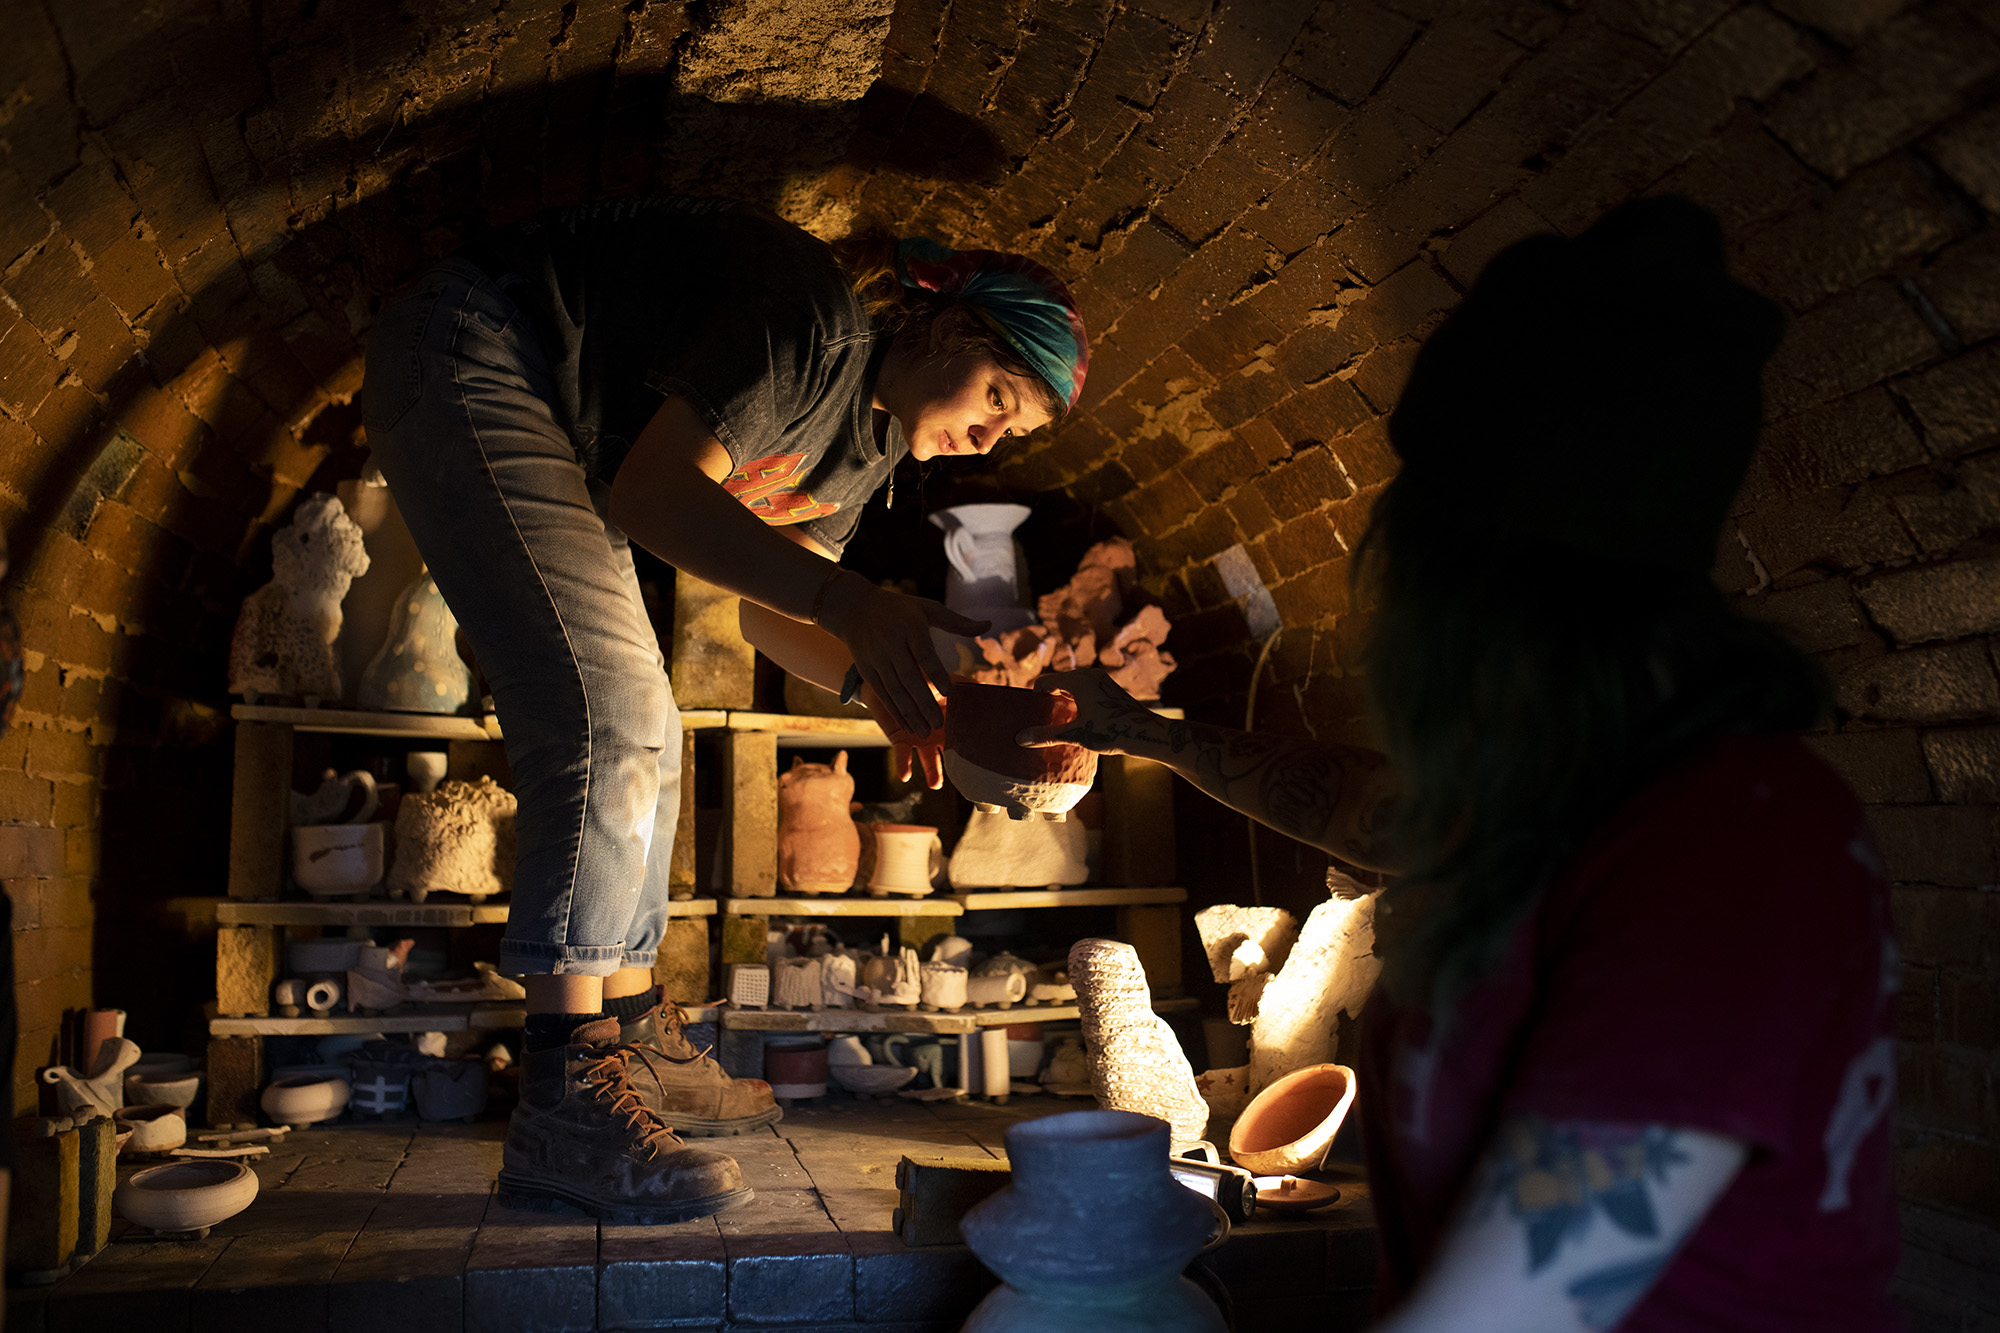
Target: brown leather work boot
686,1088
582,1139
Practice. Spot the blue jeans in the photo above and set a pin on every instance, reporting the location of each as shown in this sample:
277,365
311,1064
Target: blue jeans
456,401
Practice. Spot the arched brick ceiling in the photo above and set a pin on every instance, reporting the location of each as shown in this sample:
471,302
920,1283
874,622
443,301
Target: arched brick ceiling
1263,206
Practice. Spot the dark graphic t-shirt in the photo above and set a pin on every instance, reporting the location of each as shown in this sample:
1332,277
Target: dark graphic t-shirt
1717,957
744,316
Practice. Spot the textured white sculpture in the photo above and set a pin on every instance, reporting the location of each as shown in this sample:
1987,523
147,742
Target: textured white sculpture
1240,941
998,852
943,986
1331,969
283,640
1136,1062
836,981
796,983
457,839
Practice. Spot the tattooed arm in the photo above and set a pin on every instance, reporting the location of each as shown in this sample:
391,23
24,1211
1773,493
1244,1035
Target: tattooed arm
1331,796
1568,1224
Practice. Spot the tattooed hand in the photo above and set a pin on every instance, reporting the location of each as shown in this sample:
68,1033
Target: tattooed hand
1107,718
1330,796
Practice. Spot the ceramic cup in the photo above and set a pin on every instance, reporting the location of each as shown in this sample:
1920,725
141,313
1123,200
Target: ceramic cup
425,768
907,858
338,860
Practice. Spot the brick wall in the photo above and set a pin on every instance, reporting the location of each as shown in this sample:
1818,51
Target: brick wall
1264,205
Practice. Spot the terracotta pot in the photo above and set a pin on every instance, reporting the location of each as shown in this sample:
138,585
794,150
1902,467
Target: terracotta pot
819,847
1289,1126
304,1099
795,1069
186,1196
986,765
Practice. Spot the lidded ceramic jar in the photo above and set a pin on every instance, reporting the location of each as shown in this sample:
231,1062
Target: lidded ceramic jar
1092,1232
995,773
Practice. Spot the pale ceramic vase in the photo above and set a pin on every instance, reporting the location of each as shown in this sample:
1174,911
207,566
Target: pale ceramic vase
984,579
819,847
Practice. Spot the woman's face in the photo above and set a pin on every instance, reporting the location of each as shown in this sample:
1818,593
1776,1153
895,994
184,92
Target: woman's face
962,405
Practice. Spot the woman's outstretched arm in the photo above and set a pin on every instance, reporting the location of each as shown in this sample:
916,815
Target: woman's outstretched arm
668,498
1331,796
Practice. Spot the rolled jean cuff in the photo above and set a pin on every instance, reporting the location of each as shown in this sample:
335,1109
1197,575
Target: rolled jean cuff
639,957
531,958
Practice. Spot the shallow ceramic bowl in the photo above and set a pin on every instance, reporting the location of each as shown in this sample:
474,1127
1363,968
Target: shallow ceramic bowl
159,1064
989,769
1288,1126
156,1128
338,859
871,1080
304,1099
162,1089
186,1196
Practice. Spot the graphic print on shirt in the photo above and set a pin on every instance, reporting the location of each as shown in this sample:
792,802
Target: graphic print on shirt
1868,1089
768,488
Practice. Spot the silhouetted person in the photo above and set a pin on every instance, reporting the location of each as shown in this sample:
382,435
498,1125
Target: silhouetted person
1631,1064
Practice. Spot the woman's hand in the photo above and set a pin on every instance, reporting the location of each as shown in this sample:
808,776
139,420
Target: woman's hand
1108,720
906,750
889,635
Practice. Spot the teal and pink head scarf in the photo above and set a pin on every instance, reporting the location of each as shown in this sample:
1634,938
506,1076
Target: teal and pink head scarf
1018,298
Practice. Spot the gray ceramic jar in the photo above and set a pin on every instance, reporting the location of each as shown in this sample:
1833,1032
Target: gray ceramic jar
1092,1233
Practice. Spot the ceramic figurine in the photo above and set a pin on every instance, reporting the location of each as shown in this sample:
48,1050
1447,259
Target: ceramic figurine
418,669
1329,971
1050,986
942,986
1240,941
284,635
1136,1062
819,847
953,949
993,772
1134,656
837,985
1091,1232
893,978
457,839
996,852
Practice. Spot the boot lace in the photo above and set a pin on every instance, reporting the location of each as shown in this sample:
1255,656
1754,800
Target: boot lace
610,1082
674,1019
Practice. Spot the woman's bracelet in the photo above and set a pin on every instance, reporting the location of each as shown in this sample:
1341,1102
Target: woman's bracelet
819,598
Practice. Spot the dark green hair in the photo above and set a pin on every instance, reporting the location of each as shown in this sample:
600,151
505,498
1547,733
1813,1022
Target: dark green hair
1522,694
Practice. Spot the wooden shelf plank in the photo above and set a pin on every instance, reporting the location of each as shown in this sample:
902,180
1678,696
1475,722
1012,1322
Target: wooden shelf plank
837,905
356,722
385,912
704,719
913,1020
796,730
415,1018
985,900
